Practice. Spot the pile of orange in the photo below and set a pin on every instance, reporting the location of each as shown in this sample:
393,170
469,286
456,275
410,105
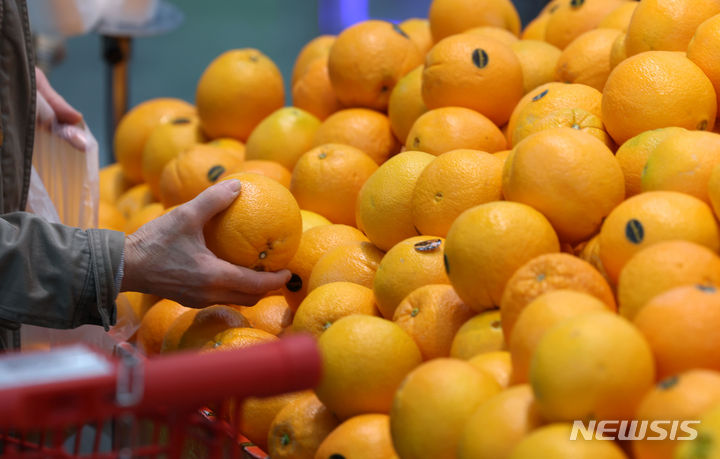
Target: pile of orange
528,216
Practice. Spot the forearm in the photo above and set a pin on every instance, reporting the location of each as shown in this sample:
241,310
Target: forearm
57,276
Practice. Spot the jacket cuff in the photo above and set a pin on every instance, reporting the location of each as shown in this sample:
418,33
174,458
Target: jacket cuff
106,253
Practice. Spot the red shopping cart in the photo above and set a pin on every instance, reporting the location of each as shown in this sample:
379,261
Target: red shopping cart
76,402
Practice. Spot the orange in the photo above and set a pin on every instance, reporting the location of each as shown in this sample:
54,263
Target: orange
418,30
134,199
406,104
714,190
312,219
539,316
576,118
487,243
545,273
496,364
194,170
657,89
261,228
479,335
313,91
554,440
366,436
431,315
238,338
367,130
137,304
452,183
591,366
633,155
136,126
112,183
590,252
330,302
327,180
707,442
535,29
236,91
617,52
653,217
502,155
317,48
408,265
271,314
619,18
299,428
195,327
568,175
109,217
684,396
537,60
282,136
496,33
230,144
681,326
449,17
366,61
142,216
451,128
586,59
702,50
355,263
257,414
314,243
384,204
424,399
657,25
155,324
683,162
475,72
499,424
547,98
166,142
575,17
365,358
270,169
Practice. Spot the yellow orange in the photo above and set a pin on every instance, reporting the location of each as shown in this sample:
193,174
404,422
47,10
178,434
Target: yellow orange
554,440
134,199
355,263
481,334
312,219
714,190
317,48
575,118
431,315
261,228
418,30
591,366
313,91
451,128
586,59
270,169
451,184
271,314
487,243
142,216
109,217
496,33
330,302
155,324
449,17
384,204
538,60
702,50
327,179
496,364
652,217
365,358
475,72
237,90
257,414
406,104
112,183
238,338
657,89
619,18
366,61
366,436
573,18
408,265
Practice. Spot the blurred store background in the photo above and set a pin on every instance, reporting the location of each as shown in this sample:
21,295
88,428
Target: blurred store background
169,64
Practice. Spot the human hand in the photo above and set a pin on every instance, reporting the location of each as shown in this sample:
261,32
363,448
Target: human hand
168,257
51,105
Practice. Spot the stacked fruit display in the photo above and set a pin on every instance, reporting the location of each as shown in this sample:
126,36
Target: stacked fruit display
493,232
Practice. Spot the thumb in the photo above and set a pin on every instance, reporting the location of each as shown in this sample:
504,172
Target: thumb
214,200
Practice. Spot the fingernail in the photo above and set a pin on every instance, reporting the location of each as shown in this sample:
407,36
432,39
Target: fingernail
234,185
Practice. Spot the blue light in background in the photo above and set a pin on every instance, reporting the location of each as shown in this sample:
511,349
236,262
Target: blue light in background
336,15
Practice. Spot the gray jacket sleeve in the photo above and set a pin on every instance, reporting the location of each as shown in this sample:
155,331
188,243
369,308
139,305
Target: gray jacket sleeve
56,276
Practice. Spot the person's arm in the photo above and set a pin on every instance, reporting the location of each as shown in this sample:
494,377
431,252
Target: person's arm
56,276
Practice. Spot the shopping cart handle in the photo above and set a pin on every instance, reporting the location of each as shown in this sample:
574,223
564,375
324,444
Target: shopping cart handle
192,379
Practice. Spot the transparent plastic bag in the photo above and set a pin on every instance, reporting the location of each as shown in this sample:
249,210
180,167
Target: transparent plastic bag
64,188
